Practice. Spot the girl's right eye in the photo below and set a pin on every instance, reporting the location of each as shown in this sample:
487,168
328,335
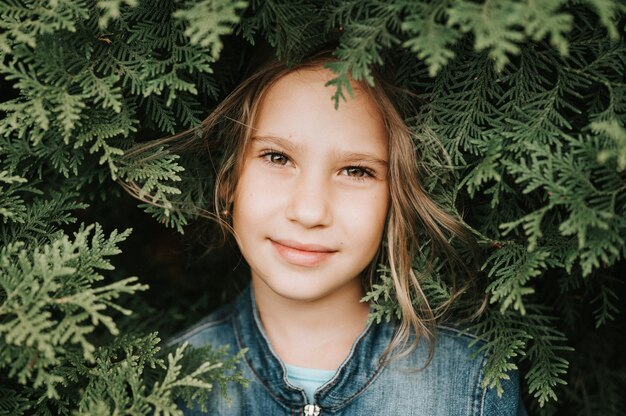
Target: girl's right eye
275,158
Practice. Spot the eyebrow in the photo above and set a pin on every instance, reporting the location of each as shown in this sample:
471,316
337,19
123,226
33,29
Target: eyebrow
350,156
279,141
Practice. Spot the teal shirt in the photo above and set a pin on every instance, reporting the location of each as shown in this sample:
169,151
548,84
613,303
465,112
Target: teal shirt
308,379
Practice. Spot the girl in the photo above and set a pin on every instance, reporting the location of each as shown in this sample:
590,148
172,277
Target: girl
316,198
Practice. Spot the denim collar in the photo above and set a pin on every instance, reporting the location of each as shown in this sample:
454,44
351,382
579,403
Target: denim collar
353,376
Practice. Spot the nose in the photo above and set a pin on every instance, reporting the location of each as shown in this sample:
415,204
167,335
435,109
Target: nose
310,201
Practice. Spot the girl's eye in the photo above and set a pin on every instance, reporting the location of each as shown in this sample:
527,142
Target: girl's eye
276,158
357,172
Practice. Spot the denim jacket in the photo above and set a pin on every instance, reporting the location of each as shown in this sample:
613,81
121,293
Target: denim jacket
449,385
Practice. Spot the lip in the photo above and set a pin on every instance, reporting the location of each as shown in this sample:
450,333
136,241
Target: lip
307,255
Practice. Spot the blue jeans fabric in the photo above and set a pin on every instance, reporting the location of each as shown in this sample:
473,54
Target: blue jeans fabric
449,385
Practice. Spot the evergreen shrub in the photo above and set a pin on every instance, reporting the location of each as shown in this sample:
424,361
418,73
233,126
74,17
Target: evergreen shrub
527,97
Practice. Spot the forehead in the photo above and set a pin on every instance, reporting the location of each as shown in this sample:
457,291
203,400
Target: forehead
299,105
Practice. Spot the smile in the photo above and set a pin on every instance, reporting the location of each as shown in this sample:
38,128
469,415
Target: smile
302,254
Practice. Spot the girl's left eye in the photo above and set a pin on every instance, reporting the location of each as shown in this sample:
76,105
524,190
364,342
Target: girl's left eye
357,172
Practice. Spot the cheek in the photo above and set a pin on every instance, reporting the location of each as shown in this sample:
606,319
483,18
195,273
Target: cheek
380,204
380,210
367,217
253,198
244,215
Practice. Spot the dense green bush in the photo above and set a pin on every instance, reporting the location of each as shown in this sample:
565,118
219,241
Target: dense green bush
528,98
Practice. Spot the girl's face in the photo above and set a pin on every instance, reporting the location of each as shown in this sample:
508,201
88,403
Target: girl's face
312,199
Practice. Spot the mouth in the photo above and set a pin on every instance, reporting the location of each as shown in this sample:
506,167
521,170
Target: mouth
306,255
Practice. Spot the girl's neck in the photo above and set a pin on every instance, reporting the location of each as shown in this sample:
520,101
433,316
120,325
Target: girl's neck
313,334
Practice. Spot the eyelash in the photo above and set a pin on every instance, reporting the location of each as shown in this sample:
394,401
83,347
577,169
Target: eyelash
270,153
367,173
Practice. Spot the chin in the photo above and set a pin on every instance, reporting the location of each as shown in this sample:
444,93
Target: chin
306,288
300,292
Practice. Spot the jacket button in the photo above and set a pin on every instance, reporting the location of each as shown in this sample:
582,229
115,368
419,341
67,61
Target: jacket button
312,410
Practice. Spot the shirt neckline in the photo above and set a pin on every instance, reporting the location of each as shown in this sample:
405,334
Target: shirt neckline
356,372
313,374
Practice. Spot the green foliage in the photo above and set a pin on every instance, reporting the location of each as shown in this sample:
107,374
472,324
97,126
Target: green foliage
208,20
532,336
83,74
291,27
152,171
11,205
433,29
382,298
111,10
511,267
527,99
143,383
42,311
430,38
368,29
382,294
23,21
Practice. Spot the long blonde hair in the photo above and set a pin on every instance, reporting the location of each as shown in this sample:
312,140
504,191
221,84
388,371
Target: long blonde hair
224,135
